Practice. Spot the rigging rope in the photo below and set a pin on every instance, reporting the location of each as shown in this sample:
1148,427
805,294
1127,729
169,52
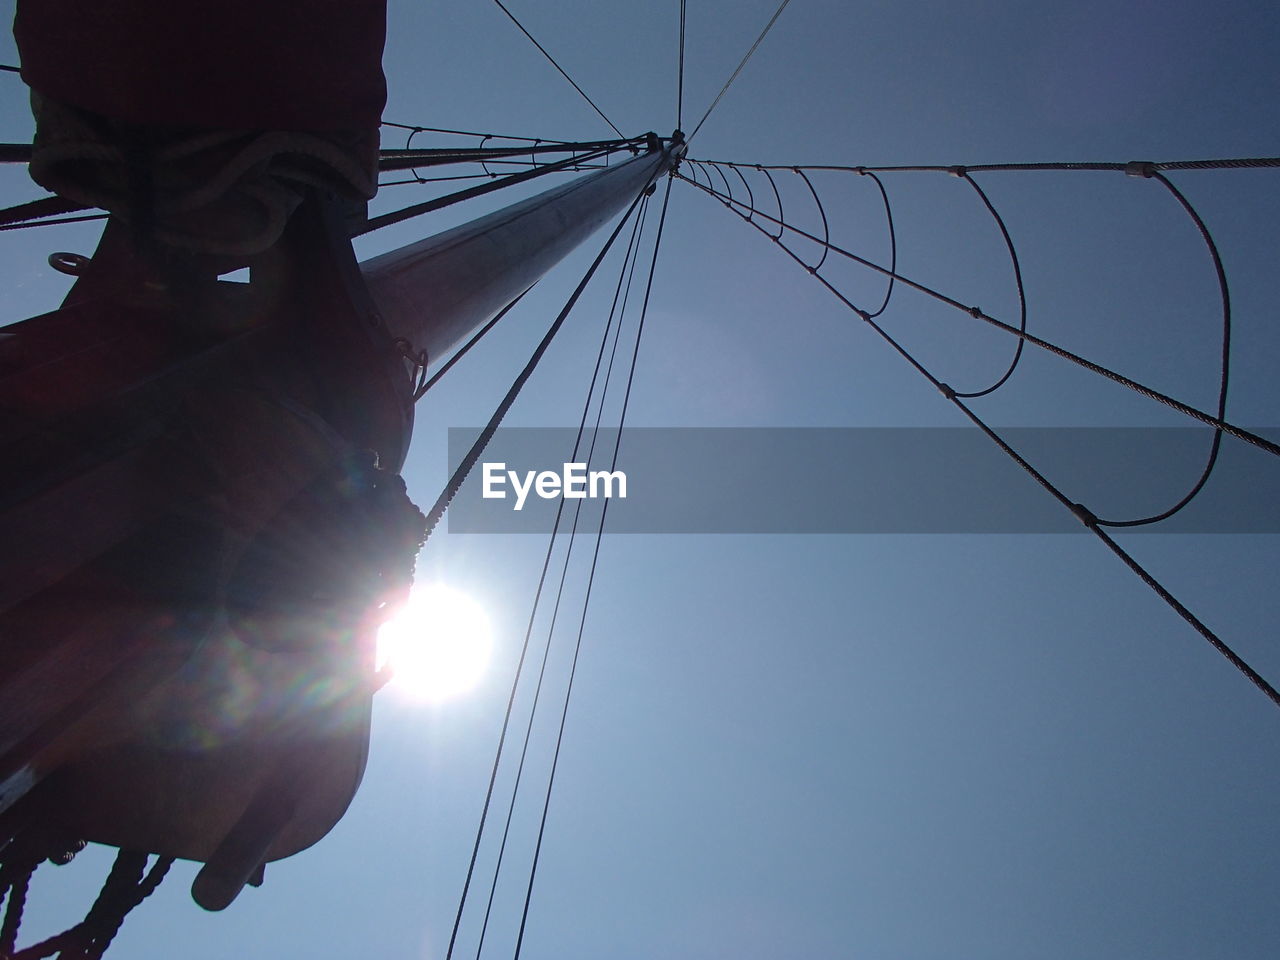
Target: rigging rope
416,128
552,59
473,455
50,223
1080,511
977,313
734,76
462,351
398,216
488,174
632,256
126,886
1225,377
51,206
1135,167
591,576
407,158
1022,293
454,484
1146,170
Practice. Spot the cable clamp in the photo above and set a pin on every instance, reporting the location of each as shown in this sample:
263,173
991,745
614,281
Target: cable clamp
958,171
946,391
1140,168
860,171
975,312
1084,515
862,315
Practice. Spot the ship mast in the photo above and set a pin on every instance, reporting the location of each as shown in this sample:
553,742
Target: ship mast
434,292
199,484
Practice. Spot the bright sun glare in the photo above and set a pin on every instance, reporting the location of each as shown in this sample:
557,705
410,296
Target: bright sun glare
438,644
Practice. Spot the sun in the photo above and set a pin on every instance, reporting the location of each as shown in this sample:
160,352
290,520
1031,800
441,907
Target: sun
437,645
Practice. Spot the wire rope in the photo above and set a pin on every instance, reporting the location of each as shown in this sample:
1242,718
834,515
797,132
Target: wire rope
1135,167
893,245
462,351
1022,293
1081,512
552,59
442,503
407,157
398,216
1224,294
468,133
977,313
632,256
591,576
734,76
1145,170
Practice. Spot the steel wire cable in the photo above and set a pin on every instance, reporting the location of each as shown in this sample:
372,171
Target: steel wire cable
734,76
462,351
454,484
39,209
1224,294
50,223
429,206
893,244
1078,510
406,157
751,210
479,176
632,255
1144,170
552,59
1134,166
1022,293
469,133
591,576
1149,392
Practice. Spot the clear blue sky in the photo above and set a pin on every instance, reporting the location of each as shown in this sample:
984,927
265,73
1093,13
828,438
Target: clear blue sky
898,747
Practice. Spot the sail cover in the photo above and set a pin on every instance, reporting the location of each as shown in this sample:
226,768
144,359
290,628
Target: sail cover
203,121
210,63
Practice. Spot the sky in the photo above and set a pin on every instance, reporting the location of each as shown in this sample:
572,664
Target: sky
898,746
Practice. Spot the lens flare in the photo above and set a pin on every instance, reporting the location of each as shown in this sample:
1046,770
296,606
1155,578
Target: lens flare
437,645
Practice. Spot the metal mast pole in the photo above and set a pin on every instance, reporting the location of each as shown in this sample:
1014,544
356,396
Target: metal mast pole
434,292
